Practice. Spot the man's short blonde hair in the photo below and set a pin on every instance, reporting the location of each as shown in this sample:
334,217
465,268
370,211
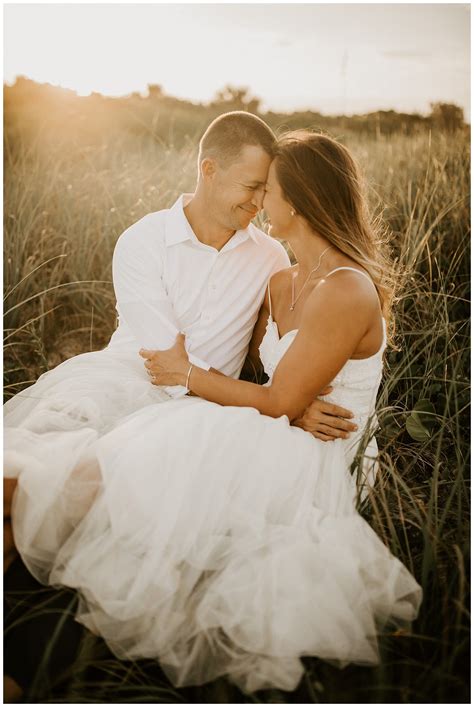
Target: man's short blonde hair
229,133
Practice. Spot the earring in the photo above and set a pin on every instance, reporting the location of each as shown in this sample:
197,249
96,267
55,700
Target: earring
292,212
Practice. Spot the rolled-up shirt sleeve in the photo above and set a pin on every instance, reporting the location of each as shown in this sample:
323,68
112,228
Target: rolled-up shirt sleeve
142,300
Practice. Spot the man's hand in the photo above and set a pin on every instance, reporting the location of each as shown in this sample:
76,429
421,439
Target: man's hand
326,421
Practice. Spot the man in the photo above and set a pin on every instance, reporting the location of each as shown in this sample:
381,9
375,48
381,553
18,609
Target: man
200,267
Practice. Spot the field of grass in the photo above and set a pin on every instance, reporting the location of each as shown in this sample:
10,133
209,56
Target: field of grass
66,203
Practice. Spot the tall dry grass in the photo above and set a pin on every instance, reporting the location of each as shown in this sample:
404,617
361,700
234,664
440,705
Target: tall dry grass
66,202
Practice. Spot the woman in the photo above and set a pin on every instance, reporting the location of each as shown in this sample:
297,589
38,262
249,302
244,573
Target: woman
207,532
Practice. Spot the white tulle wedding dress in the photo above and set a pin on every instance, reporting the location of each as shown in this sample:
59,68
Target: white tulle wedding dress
217,540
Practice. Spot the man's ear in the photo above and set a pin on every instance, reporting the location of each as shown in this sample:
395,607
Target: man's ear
208,168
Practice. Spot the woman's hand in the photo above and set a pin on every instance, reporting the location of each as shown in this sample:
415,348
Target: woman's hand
169,367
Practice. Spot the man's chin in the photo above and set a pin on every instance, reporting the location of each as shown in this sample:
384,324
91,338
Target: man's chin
245,218
241,225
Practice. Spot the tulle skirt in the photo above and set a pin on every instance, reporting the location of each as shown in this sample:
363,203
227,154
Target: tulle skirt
217,540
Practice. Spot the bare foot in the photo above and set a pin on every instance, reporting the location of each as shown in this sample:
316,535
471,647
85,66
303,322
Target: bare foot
9,486
12,692
9,549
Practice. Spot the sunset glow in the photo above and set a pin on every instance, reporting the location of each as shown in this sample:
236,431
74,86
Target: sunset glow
331,58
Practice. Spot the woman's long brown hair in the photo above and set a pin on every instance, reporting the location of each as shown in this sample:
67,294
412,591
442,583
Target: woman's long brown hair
322,182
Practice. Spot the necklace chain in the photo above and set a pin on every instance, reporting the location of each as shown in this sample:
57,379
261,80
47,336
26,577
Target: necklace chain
293,300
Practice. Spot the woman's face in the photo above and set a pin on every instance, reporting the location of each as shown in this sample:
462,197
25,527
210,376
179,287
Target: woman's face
276,207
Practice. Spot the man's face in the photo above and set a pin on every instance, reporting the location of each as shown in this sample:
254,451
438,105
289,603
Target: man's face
236,190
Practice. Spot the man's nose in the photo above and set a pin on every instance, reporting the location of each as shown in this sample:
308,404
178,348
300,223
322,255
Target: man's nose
257,199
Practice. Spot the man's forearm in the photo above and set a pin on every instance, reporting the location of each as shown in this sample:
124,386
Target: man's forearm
325,420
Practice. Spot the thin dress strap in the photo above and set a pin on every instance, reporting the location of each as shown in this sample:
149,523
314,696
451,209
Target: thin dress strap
269,299
347,267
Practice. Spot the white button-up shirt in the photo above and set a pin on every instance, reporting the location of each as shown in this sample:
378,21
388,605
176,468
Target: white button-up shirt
166,281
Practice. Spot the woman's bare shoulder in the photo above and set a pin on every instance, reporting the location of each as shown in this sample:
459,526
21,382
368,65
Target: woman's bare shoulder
279,283
346,294
281,278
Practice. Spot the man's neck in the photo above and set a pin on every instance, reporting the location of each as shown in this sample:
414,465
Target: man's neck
205,229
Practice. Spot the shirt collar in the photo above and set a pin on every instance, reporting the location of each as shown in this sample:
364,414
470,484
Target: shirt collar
178,229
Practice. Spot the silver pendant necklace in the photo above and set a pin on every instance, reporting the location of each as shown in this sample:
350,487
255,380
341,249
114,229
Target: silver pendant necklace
293,300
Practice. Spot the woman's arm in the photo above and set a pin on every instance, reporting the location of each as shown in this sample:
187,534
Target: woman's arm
334,321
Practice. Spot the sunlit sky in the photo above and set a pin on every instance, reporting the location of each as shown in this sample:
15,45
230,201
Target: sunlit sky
335,58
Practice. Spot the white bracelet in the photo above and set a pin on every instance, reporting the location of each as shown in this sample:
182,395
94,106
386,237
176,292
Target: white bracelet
187,377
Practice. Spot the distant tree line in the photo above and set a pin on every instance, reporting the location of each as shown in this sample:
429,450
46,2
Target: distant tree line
30,107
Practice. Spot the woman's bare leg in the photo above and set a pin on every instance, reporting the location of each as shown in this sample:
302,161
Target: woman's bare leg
9,549
12,692
9,486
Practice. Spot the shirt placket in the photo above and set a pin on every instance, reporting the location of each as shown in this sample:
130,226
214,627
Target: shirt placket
211,291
